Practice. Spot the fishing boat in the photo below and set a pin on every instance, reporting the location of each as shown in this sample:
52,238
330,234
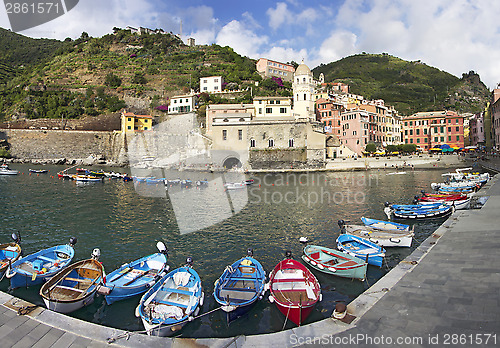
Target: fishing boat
202,183
442,196
457,189
172,302
461,184
385,238
186,183
64,175
372,253
384,225
249,182
240,286
136,277
294,289
75,286
5,170
9,253
334,262
38,171
234,185
462,203
155,181
418,211
38,267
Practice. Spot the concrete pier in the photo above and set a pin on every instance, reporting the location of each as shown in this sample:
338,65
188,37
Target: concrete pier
446,293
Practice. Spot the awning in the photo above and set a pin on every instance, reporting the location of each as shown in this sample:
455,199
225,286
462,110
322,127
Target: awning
435,149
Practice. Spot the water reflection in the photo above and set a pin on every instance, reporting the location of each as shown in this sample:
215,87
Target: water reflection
273,214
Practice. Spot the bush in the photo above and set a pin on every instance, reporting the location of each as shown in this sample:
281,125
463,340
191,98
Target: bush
4,153
371,147
112,80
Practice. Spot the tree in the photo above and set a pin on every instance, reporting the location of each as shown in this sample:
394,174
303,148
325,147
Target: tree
371,147
112,80
139,79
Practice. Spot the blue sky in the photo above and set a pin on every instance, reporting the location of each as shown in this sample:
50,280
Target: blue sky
453,35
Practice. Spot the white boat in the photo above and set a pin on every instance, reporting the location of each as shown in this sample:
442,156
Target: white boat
73,287
5,170
234,185
87,178
459,205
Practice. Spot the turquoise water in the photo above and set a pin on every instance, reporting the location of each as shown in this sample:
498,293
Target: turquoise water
275,212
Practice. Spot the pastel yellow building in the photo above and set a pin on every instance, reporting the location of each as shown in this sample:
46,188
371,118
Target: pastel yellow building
132,122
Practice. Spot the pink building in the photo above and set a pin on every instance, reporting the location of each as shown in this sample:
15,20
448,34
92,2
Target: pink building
476,130
355,126
495,118
268,68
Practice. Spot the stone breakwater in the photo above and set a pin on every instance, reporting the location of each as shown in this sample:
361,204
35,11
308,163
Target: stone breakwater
65,147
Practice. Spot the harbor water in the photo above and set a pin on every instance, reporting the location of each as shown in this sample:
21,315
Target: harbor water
126,219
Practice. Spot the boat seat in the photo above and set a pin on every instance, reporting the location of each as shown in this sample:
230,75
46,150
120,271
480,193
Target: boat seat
237,294
44,258
179,291
171,303
68,288
242,278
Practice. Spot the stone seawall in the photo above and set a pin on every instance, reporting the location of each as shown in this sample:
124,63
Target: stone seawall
70,146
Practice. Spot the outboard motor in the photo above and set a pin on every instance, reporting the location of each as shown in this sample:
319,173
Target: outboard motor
72,241
250,252
415,201
189,261
16,237
96,253
162,248
416,197
387,204
288,254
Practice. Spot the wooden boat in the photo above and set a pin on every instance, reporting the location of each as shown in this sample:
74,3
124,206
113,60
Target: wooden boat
457,189
418,211
5,170
64,175
294,289
136,277
171,302
186,183
9,253
372,253
38,267
385,238
38,171
240,286
334,262
458,203
73,287
202,183
441,196
384,225
249,182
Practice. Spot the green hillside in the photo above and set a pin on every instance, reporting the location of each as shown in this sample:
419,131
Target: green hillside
408,86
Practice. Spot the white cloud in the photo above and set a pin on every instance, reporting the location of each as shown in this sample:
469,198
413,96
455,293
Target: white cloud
280,15
339,44
284,55
250,21
241,39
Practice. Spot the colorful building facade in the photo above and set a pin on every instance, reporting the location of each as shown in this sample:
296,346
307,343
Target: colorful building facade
135,123
269,68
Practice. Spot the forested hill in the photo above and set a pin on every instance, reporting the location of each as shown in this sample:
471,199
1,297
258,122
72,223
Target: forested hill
408,86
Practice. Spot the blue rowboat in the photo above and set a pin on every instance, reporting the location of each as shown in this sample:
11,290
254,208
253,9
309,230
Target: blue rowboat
457,189
38,267
334,262
361,248
136,277
9,253
172,302
419,213
240,286
415,207
384,225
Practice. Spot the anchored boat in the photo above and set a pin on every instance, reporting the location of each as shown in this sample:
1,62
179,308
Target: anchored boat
372,253
385,238
136,277
334,262
9,253
240,286
172,302
38,267
294,289
75,286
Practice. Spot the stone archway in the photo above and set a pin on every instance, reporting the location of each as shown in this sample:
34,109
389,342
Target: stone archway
231,162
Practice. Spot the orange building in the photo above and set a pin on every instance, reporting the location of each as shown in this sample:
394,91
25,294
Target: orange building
428,129
132,122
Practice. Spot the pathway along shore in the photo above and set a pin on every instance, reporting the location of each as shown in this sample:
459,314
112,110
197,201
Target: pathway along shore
446,293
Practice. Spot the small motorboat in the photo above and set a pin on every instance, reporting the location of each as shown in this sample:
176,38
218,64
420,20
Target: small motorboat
38,171
9,253
171,302
457,203
173,182
294,289
249,182
186,183
75,286
384,225
88,178
202,183
38,267
362,248
155,181
466,189
385,238
240,286
334,262
64,175
5,170
234,185
136,277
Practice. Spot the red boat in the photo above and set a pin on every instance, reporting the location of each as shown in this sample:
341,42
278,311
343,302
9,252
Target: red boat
294,289
431,197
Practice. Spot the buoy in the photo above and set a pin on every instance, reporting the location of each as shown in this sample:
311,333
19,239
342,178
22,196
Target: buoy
303,240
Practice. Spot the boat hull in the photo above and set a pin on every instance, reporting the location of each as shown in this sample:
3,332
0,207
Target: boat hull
385,238
372,253
65,308
334,262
